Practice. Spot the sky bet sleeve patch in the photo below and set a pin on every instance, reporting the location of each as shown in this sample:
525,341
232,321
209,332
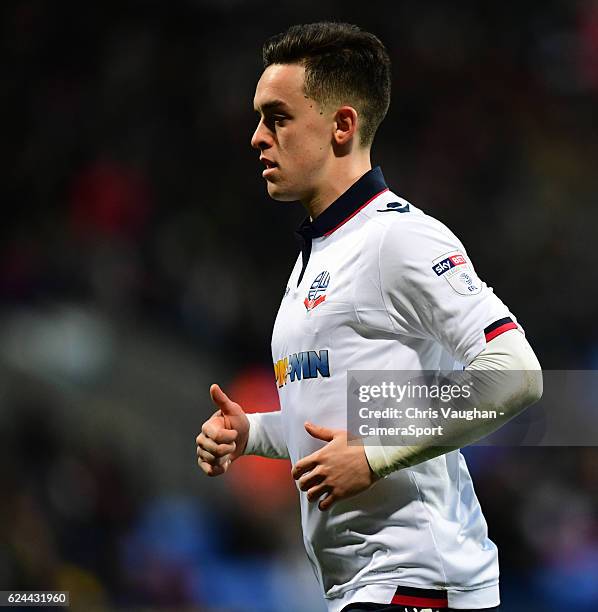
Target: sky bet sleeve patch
458,272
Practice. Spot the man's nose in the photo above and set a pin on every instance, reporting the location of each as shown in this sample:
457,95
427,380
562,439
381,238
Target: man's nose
259,140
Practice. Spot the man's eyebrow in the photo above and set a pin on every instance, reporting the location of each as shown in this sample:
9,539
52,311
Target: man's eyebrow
271,105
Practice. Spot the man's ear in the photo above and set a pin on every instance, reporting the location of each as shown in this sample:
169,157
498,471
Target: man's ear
346,120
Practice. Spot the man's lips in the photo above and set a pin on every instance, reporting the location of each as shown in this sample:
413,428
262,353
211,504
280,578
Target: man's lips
270,166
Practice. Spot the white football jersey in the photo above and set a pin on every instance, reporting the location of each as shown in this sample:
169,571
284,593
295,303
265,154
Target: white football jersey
379,285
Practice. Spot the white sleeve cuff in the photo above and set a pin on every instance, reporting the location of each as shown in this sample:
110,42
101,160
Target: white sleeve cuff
266,437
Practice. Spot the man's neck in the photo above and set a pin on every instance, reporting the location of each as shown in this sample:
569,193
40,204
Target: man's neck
338,181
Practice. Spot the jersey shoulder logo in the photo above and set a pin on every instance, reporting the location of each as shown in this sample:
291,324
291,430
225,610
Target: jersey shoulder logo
448,263
458,273
395,207
317,291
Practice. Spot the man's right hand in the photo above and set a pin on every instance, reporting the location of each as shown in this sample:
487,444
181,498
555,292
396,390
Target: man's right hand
223,436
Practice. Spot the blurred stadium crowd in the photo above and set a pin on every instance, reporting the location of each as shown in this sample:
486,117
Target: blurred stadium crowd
141,260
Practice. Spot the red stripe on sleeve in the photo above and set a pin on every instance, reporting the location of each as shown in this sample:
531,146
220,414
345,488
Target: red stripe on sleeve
500,330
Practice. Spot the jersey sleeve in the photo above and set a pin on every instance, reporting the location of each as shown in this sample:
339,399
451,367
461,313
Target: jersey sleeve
430,288
507,379
266,437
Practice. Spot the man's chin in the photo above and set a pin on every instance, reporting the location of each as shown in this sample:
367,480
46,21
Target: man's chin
278,193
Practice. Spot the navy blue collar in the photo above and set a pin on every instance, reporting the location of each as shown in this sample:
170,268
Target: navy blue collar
361,193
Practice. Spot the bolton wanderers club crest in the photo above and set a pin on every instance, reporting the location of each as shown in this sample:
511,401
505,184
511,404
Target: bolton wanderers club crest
317,292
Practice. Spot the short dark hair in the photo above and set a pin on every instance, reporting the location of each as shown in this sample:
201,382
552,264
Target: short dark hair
343,65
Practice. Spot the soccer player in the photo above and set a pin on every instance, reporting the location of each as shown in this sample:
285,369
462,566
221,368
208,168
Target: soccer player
378,285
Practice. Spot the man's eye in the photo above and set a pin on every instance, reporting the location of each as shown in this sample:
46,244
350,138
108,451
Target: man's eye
274,121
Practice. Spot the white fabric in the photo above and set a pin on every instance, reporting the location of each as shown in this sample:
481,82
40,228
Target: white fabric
265,436
515,383
385,308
